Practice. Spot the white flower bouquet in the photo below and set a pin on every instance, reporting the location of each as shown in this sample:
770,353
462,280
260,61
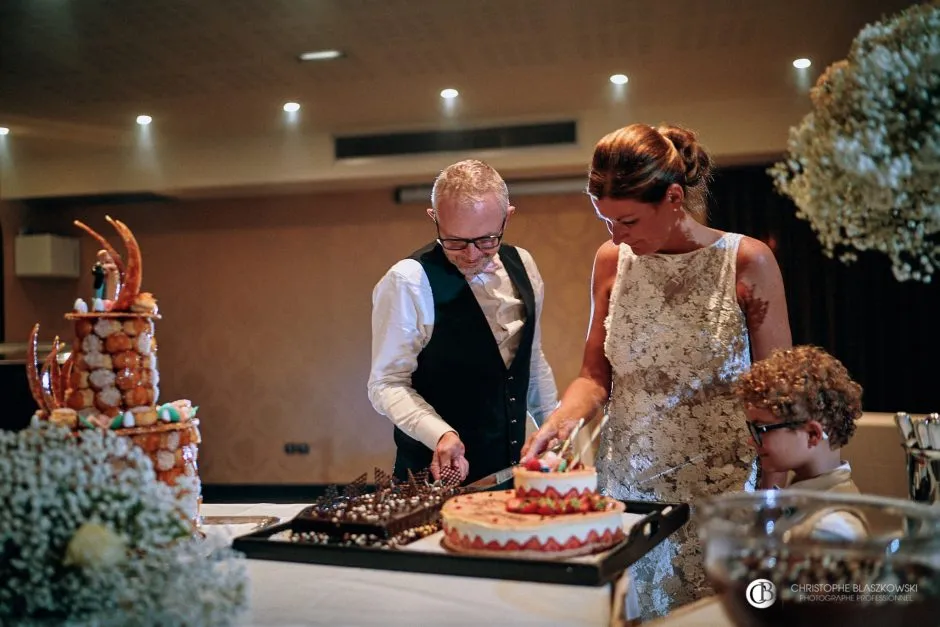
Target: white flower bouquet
89,536
864,166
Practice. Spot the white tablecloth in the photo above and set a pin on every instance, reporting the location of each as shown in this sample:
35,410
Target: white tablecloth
284,593
704,613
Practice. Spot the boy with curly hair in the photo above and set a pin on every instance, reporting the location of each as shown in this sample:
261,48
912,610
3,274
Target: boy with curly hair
802,406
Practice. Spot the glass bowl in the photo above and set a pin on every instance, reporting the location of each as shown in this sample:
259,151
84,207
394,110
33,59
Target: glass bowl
771,570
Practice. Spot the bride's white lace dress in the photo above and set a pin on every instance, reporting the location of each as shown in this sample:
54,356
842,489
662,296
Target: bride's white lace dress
676,339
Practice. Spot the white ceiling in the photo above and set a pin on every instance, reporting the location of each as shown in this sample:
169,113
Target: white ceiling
74,74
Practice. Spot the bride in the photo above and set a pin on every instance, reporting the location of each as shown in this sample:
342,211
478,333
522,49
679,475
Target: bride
679,310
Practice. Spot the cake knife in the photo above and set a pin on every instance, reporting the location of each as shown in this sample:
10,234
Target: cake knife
490,481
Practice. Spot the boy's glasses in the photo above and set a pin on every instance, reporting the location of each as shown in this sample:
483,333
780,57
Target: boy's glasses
758,430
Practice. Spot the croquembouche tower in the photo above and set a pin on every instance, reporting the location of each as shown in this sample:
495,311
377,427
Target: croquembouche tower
110,380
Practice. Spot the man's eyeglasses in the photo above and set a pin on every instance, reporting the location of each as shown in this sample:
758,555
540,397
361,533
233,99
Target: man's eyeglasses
487,242
758,430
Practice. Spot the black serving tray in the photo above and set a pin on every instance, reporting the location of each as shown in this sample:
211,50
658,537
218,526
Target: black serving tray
660,521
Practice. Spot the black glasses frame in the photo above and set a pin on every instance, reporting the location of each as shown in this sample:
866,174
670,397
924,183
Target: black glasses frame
758,430
448,242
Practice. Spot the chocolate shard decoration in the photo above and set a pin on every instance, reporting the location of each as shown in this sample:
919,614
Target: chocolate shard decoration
421,479
331,493
411,486
361,482
357,487
450,477
382,480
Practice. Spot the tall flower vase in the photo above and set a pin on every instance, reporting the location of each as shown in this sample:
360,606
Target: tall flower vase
920,437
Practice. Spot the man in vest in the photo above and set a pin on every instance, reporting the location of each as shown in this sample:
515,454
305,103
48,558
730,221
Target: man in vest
456,342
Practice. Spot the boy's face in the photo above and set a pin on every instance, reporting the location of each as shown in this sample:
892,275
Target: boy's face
780,450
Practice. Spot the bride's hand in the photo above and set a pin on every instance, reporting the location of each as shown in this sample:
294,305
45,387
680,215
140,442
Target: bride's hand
553,430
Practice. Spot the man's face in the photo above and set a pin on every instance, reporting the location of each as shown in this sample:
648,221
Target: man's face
480,220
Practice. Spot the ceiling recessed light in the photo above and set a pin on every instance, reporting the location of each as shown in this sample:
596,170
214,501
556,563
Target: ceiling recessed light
144,120
320,55
4,130
449,93
290,107
802,63
619,79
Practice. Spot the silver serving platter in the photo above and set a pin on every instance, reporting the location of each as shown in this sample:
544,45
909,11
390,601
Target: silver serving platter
257,522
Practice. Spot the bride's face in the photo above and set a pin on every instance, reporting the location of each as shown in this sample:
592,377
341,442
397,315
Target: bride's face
644,227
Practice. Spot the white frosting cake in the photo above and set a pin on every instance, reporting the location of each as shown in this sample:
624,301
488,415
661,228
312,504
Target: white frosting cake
480,523
534,484
547,515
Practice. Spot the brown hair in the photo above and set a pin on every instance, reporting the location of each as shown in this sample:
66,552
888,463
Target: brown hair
801,384
640,162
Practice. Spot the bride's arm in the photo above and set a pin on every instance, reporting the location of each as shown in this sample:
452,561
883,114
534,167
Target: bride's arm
590,390
762,299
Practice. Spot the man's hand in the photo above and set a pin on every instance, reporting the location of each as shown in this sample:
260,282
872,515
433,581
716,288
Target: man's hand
449,454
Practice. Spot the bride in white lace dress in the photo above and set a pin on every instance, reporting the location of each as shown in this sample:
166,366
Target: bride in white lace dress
678,312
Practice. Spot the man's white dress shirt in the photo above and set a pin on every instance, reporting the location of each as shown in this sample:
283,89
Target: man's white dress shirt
402,323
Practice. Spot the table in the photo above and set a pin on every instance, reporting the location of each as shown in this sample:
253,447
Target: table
703,613
284,593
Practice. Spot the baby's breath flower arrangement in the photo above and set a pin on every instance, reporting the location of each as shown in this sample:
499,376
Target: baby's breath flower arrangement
864,166
88,536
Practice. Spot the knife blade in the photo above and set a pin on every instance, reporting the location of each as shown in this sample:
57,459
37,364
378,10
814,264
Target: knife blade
491,480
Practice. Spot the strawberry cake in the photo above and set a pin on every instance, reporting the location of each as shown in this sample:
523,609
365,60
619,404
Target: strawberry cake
547,515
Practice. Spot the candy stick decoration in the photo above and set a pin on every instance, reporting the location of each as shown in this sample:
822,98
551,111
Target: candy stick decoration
590,443
46,377
55,376
32,370
570,439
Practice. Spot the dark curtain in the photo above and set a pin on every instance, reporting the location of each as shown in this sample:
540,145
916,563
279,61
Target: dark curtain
2,288
884,331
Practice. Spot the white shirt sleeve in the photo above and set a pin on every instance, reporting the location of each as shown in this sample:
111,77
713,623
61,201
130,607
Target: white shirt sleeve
542,398
402,320
839,525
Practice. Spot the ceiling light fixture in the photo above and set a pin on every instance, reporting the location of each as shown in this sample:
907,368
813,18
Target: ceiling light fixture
4,130
449,93
802,64
619,79
290,107
320,55
144,120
